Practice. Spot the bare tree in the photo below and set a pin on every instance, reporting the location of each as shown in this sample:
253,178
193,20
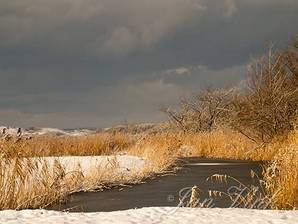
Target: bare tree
203,112
270,106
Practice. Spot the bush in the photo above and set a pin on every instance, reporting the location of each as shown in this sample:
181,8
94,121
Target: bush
269,107
204,112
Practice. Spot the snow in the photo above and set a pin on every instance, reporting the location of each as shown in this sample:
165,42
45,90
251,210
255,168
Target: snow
10,131
215,164
119,163
56,131
47,131
153,215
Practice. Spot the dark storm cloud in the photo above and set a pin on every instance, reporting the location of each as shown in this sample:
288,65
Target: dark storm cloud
97,62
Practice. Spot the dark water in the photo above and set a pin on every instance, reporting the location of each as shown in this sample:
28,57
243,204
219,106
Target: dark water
164,191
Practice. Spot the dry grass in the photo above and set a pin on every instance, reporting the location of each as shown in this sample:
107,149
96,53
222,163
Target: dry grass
99,144
223,143
281,176
26,183
251,196
162,150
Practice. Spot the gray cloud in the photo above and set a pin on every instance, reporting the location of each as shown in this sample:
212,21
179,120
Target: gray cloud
101,23
114,104
97,62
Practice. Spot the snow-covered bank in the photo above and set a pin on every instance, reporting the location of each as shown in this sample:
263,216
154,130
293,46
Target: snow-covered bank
97,171
153,215
119,163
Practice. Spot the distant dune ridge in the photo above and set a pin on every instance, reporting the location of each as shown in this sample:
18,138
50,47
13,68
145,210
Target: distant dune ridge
136,128
33,131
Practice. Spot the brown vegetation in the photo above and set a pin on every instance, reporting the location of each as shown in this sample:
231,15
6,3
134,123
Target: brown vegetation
281,177
161,150
97,144
26,183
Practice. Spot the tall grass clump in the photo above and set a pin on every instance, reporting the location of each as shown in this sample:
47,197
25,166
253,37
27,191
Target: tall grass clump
27,183
162,150
281,177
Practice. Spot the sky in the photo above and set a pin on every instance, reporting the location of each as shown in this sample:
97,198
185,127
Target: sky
98,63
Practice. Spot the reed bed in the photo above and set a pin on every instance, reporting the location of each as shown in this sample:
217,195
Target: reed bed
281,176
26,183
53,184
47,145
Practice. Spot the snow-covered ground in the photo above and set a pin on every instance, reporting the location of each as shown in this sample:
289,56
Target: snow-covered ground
55,131
154,215
117,163
46,131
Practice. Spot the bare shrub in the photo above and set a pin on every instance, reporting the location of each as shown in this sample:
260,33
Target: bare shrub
204,112
269,107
